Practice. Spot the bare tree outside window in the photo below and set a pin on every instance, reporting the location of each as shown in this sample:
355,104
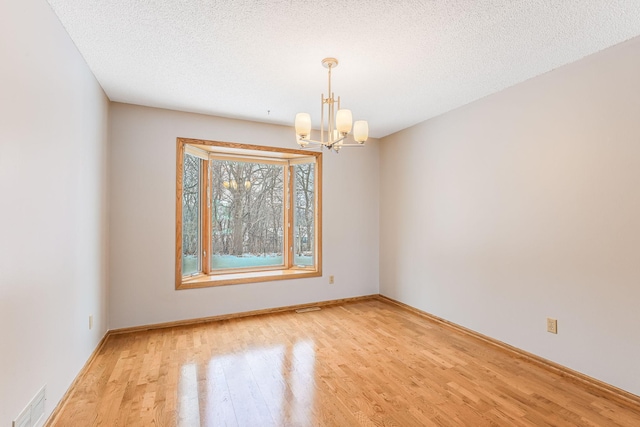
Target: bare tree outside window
190,215
247,218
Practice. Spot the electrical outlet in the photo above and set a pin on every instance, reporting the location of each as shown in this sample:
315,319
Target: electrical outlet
91,322
552,325
331,281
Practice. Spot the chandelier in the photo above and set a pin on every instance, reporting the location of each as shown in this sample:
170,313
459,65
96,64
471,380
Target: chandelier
338,125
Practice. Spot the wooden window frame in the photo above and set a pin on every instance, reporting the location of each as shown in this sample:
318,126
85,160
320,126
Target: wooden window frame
246,152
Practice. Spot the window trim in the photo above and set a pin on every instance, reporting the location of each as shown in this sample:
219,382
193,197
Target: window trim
257,153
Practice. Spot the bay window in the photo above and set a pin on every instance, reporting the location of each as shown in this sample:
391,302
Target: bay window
246,213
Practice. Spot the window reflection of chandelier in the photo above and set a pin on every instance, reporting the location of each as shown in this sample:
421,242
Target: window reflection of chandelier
234,185
338,126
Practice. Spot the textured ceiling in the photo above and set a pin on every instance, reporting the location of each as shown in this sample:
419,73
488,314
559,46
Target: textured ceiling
401,61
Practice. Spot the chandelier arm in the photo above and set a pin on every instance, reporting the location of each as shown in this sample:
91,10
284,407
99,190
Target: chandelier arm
311,147
312,141
336,142
328,144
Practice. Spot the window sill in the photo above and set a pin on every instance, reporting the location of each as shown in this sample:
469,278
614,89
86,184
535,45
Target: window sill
247,277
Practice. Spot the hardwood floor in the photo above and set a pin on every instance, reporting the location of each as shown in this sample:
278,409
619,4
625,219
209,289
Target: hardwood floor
367,363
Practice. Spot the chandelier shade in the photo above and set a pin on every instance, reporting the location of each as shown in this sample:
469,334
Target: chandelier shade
360,131
303,124
344,121
335,126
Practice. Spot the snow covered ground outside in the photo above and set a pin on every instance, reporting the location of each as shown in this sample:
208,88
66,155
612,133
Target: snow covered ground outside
231,261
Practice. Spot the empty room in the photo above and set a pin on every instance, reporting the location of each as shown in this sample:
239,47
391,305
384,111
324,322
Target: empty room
329,213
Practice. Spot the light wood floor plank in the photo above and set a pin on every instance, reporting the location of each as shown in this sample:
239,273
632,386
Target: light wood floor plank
367,363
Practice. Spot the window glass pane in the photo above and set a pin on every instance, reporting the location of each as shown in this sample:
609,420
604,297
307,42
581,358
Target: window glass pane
191,215
304,215
246,214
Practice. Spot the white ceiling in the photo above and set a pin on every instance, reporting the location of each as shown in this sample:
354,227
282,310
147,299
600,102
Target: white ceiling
401,62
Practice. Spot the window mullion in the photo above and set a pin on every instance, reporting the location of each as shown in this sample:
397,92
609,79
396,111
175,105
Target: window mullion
205,196
289,216
317,208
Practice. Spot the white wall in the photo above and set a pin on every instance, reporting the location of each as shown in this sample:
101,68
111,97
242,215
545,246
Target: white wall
523,205
142,220
53,133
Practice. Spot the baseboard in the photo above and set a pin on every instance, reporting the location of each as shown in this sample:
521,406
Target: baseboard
596,386
63,402
199,320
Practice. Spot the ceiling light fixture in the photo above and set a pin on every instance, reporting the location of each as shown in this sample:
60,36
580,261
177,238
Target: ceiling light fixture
338,126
